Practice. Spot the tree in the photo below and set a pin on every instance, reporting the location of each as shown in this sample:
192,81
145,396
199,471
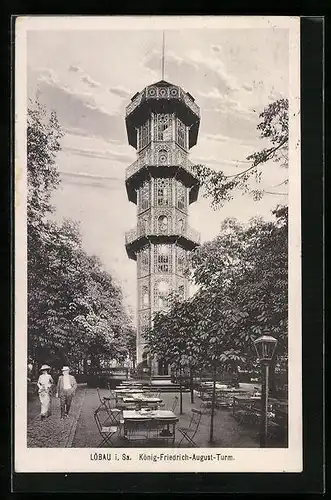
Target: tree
273,127
75,309
248,266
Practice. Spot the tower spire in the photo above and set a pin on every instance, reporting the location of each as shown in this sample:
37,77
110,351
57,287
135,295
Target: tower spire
163,55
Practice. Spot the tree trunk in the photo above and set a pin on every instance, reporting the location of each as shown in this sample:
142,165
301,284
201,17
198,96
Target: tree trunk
213,400
191,385
180,392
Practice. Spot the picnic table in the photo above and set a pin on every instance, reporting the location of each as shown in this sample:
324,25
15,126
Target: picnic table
155,425
142,400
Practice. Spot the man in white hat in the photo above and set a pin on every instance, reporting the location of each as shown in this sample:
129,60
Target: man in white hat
66,388
44,384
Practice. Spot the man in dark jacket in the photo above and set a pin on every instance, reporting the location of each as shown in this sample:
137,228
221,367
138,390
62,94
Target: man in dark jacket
66,388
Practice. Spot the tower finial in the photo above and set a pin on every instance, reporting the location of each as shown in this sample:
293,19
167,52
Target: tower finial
163,56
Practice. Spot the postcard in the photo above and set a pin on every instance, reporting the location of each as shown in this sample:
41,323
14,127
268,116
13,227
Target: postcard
157,244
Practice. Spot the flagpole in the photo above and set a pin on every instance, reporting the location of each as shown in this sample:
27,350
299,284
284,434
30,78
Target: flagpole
163,56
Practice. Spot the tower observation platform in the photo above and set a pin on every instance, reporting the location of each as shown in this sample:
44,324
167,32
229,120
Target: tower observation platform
162,123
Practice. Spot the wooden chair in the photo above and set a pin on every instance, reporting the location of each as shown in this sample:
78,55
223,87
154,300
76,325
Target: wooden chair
188,433
106,432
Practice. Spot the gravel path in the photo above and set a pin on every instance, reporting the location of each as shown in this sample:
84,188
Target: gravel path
227,431
53,432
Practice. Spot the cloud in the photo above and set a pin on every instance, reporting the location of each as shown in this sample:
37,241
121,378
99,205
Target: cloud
193,71
74,69
100,154
91,180
121,92
249,88
78,110
222,102
89,81
216,48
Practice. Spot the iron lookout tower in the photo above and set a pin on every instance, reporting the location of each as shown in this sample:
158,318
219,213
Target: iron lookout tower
162,123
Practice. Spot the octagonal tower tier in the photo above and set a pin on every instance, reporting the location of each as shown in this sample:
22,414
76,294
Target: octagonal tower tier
162,123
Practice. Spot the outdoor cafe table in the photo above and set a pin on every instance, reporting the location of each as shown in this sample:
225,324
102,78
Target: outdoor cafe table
164,415
130,391
142,400
128,382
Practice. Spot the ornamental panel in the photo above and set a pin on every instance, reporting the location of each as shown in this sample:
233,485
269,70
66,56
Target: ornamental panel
144,293
181,196
143,261
144,135
174,92
163,258
144,196
162,289
181,260
162,192
144,224
163,127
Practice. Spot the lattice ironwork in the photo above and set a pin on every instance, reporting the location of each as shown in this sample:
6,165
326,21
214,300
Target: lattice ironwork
144,196
162,290
144,295
181,134
163,258
181,260
163,127
144,135
163,192
143,261
181,196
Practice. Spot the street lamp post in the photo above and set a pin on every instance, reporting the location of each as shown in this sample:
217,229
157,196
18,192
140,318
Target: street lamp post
265,348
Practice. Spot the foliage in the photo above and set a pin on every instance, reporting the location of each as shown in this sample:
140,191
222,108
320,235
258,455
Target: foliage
75,309
273,127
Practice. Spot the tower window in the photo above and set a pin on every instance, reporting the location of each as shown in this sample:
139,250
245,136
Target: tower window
163,262
161,292
163,224
144,135
180,196
144,198
163,127
163,192
181,134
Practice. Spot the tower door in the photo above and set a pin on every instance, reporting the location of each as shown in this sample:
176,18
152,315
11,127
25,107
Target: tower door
163,367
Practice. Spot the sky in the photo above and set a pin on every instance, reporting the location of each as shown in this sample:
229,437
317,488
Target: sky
89,77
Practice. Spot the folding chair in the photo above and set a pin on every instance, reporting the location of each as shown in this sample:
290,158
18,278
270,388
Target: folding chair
104,400
112,394
106,432
188,433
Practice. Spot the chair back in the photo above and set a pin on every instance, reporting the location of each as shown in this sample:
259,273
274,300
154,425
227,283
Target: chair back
195,421
174,404
99,396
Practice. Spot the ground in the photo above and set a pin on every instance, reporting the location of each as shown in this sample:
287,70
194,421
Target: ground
80,431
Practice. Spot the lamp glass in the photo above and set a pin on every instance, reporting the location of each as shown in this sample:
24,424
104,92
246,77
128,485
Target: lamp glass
265,347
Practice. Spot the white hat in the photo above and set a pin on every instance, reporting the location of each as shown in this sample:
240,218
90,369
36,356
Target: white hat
45,367
65,368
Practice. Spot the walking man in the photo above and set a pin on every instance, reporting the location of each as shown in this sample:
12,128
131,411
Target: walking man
66,388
